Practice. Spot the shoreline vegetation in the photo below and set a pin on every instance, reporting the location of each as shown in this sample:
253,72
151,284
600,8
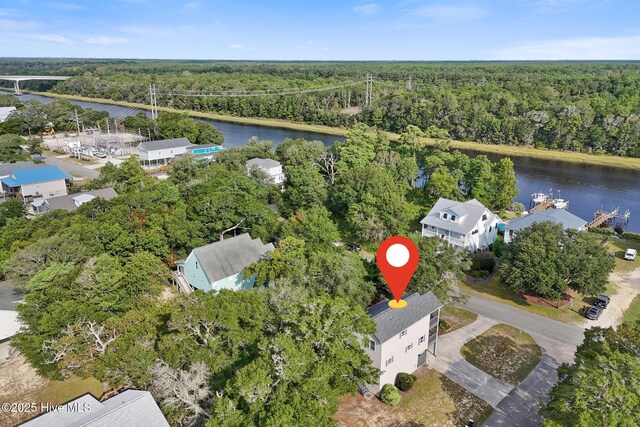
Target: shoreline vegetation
629,163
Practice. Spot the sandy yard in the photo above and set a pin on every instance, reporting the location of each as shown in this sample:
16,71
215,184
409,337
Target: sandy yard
627,286
20,383
434,401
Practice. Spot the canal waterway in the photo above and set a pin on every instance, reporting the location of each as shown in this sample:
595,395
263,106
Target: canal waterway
587,187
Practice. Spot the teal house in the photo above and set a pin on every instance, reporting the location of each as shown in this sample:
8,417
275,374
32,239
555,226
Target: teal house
219,265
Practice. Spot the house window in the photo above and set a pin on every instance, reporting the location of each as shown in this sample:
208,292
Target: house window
421,340
196,265
490,228
388,362
445,216
453,217
403,333
372,345
474,232
409,347
484,217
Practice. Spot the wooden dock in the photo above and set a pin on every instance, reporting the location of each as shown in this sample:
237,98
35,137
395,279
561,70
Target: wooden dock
607,219
547,204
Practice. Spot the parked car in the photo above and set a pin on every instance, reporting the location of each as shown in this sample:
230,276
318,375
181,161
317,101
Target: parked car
602,301
593,313
101,155
631,254
353,247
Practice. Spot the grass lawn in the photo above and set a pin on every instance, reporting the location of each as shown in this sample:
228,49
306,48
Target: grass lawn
619,247
58,392
633,312
452,318
434,401
505,352
19,382
493,288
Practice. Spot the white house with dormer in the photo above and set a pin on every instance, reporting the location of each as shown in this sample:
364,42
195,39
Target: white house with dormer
403,337
271,167
469,225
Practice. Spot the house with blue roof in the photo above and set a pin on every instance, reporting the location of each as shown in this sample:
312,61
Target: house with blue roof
37,183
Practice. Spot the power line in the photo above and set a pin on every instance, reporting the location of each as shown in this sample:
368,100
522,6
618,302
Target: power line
369,91
154,101
262,93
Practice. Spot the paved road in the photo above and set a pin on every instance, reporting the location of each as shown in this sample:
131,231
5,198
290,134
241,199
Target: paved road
8,297
558,342
71,168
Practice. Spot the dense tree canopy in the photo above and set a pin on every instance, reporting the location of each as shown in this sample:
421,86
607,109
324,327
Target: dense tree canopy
545,260
602,386
576,106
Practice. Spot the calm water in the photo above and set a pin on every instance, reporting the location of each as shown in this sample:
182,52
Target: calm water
587,187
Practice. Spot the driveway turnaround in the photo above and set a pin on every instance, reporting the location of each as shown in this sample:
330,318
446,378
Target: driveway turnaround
558,342
450,363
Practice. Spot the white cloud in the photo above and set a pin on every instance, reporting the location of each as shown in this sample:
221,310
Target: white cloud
367,9
448,13
236,46
105,41
56,38
193,5
68,6
147,30
589,48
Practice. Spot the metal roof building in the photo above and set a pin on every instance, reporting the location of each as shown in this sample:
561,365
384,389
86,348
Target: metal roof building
568,220
129,408
34,176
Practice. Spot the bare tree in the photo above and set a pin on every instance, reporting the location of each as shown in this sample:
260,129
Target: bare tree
327,164
186,390
232,228
101,337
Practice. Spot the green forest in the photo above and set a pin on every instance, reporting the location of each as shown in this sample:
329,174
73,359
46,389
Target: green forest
97,281
591,107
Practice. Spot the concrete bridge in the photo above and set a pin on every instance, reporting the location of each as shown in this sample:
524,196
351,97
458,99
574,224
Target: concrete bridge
17,79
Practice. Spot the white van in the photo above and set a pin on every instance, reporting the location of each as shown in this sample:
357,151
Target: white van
630,254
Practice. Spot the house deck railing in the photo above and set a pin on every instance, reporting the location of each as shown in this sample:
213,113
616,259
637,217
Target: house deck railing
181,283
452,240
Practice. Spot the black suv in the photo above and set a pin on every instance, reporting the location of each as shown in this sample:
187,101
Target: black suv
593,313
602,301
353,247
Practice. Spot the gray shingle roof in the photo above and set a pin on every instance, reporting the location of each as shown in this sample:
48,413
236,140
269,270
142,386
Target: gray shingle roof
129,408
68,202
390,322
7,169
559,216
163,144
230,256
469,212
262,163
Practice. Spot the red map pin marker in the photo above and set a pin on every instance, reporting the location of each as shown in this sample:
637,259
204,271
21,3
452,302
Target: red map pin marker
397,259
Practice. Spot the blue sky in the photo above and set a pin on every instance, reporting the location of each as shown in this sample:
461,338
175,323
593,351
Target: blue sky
323,30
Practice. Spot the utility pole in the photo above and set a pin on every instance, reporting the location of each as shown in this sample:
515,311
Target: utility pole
154,101
108,132
369,92
410,84
77,122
